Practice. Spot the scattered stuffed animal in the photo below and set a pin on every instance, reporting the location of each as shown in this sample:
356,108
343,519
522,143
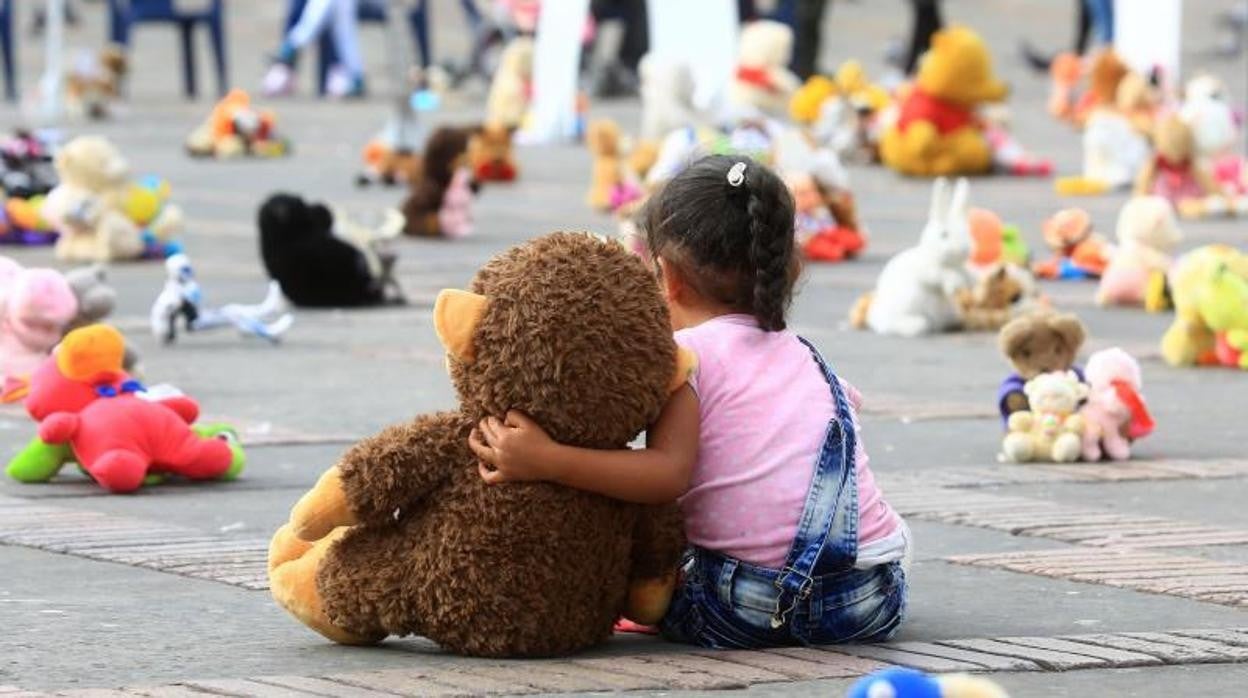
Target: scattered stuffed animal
36,305
236,128
1036,343
1115,414
899,682
1175,172
807,100
146,203
1051,430
490,156
95,82
315,265
22,222
1216,131
1223,305
994,242
82,397
848,121
539,569
937,131
443,192
26,167
918,289
1115,141
1009,157
763,84
1190,341
510,90
1105,72
182,298
392,156
667,88
1147,235
1079,252
87,206
998,296
96,301
821,235
602,138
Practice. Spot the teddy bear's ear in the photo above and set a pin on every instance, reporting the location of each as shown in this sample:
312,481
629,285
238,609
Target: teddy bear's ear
686,366
456,315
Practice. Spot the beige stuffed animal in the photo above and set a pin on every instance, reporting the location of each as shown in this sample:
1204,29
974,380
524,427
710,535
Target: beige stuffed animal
763,84
509,91
86,207
1147,235
602,137
1052,430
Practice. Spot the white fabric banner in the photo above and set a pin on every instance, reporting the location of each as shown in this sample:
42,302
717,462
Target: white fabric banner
1148,34
556,62
701,33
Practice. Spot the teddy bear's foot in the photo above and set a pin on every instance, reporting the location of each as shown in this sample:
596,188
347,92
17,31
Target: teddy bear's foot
292,580
119,471
648,599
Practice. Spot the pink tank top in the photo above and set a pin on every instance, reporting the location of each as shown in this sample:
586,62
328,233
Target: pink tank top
765,408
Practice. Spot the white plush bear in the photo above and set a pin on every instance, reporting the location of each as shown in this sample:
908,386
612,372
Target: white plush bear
667,87
763,83
1051,430
918,289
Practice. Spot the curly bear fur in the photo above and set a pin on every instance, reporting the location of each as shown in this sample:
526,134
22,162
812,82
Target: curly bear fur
574,333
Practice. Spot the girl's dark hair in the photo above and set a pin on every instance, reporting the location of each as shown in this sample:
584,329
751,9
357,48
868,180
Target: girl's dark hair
733,244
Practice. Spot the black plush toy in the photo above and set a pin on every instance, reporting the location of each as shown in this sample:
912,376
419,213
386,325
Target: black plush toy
316,267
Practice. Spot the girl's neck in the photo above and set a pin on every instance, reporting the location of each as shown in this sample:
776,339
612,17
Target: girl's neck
685,317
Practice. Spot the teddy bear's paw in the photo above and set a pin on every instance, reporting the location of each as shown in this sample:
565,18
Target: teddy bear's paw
292,580
322,509
648,599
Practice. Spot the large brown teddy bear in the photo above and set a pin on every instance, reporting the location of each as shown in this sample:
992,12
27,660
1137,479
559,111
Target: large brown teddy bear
403,536
1039,342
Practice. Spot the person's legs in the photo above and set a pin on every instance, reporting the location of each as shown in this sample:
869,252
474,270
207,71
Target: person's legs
927,21
346,40
316,16
1101,14
806,40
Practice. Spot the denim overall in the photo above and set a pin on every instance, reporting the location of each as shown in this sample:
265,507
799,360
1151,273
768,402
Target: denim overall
818,597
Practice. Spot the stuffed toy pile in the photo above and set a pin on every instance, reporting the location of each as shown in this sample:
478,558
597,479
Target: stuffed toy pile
314,262
84,400
235,128
26,176
937,130
93,204
404,537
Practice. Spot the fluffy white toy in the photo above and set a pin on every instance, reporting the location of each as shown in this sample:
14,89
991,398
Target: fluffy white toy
1147,235
667,87
918,288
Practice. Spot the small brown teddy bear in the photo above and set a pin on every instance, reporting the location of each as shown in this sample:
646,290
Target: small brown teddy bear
1035,343
489,154
403,535
445,153
602,137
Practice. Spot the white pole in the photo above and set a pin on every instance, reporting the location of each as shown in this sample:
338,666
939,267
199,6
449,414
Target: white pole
53,70
701,34
556,65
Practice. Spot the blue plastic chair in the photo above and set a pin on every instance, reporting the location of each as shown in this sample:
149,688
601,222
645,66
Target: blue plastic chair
7,50
126,13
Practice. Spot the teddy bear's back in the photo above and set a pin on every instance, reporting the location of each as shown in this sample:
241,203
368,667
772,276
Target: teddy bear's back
543,567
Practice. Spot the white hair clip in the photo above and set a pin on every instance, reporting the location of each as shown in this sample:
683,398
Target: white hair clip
736,174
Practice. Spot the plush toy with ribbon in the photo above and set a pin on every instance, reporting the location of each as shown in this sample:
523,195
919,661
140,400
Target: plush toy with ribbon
1115,414
82,399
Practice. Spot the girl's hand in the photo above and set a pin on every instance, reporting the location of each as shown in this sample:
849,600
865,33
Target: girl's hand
514,449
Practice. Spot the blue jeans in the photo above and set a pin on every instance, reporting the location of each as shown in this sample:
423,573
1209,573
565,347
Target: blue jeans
818,596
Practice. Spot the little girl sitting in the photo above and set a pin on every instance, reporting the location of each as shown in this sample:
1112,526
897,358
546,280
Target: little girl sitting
791,539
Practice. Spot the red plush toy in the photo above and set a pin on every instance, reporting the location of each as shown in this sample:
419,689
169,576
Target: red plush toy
81,397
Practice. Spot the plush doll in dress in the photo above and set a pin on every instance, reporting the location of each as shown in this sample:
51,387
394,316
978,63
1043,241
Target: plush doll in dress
1147,235
1175,172
87,206
1036,343
1190,341
83,398
1051,429
937,130
763,84
1079,252
36,305
1115,414
442,195
821,235
1215,129
402,536
317,266
918,290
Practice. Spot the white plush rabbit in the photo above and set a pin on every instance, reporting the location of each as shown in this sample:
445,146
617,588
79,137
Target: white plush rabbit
917,290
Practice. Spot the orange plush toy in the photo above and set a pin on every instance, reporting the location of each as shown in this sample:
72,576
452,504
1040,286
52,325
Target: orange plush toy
237,128
1079,251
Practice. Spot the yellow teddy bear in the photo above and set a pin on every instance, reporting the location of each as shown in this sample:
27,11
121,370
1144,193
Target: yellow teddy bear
936,130
1189,341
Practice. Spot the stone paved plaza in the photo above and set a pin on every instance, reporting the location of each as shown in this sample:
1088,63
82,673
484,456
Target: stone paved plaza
1080,580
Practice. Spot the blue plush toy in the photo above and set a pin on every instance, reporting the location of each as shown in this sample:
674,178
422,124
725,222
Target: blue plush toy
897,682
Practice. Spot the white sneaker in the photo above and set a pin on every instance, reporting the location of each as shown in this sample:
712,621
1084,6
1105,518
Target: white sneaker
340,84
279,81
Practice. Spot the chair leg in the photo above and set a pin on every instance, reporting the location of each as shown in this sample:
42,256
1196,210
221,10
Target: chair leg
326,56
418,21
217,30
6,55
188,59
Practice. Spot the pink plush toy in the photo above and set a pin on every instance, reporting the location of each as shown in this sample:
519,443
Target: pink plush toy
455,215
1115,413
81,397
1147,235
36,305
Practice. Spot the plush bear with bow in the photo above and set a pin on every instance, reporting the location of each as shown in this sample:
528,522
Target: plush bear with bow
403,536
81,397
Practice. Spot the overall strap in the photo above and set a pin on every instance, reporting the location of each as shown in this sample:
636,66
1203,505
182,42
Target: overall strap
827,533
